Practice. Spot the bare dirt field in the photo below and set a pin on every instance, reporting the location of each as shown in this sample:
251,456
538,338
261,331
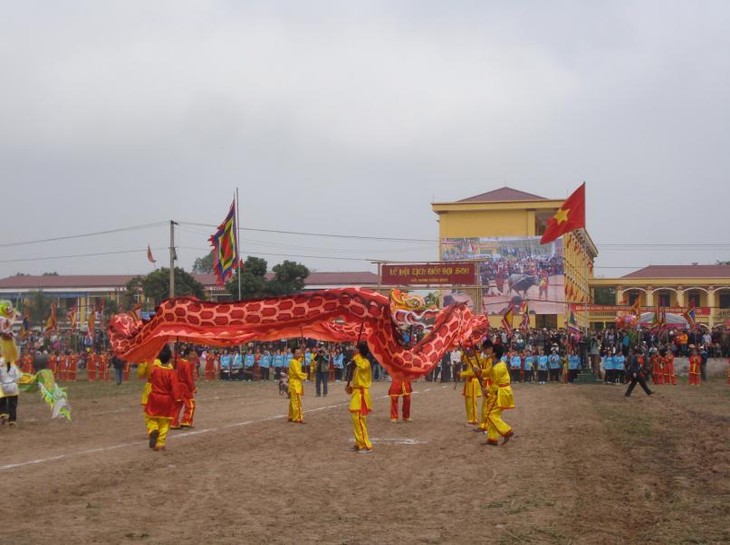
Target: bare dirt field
586,466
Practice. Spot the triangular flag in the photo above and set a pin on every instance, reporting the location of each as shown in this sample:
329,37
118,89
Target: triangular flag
51,322
636,308
525,316
507,319
150,258
572,322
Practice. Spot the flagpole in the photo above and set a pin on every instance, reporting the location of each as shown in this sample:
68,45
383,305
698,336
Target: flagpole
586,281
172,259
238,247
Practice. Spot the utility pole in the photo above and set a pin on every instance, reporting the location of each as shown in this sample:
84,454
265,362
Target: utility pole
172,258
238,247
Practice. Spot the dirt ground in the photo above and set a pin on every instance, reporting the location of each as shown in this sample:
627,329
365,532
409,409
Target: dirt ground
586,465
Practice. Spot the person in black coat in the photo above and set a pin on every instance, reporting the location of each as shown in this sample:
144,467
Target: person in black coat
635,372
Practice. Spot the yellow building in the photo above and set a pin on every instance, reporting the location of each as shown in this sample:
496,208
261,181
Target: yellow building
673,287
500,230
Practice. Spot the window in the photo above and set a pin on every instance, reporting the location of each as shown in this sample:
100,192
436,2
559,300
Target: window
541,220
663,299
693,299
724,299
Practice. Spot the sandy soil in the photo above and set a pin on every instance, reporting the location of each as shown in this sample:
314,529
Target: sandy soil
586,466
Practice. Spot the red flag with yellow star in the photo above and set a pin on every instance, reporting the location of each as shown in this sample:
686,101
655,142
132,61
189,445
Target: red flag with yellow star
569,217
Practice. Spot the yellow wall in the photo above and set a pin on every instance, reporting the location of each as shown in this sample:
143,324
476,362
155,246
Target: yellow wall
496,223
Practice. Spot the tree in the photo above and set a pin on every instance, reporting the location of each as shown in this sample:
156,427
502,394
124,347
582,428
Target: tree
288,277
50,274
110,308
156,285
432,299
39,308
133,292
253,279
604,295
203,265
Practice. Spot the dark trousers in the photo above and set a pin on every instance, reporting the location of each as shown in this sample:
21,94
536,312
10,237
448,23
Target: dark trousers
118,375
640,379
555,375
321,383
9,407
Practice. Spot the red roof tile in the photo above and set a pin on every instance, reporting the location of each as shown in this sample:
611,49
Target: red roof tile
504,194
681,271
111,281
66,282
357,278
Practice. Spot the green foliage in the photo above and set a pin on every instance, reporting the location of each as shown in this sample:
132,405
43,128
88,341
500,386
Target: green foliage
288,277
156,285
256,266
604,295
132,294
156,288
203,265
110,308
39,308
432,299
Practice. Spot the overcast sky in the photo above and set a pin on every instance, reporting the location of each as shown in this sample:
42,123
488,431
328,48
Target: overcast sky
353,117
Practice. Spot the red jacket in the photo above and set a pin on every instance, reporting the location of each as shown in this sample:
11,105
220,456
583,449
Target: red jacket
164,393
186,378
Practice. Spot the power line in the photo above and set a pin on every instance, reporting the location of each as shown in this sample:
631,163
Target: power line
254,254
98,233
419,246
608,246
324,235
19,260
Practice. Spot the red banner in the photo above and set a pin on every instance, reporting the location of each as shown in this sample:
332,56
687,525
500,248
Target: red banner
699,311
428,273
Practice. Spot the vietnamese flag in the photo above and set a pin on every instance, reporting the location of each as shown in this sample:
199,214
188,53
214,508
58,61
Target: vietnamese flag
569,217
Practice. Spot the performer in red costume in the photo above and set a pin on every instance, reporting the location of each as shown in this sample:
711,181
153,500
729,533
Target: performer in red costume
669,377
160,407
695,363
400,388
185,375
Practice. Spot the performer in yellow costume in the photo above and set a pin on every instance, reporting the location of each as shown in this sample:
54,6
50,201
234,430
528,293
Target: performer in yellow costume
144,370
472,388
296,389
360,403
499,398
485,367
